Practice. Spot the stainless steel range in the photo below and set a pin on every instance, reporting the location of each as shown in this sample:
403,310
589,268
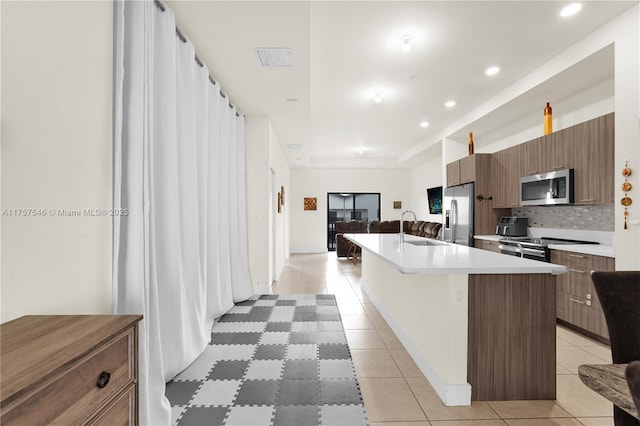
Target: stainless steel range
533,248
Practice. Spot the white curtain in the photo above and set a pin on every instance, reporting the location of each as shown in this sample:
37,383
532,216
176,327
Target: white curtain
180,254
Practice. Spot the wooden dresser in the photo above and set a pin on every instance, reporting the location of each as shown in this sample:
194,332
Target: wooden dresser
76,369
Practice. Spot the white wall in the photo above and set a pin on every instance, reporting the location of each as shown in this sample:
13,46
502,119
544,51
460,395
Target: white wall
425,176
278,163
56,154
309,228
264,155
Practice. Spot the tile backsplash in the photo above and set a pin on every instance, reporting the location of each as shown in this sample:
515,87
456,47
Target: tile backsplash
594,218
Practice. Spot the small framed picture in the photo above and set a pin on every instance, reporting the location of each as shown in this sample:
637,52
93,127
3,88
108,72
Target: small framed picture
310,203
397,204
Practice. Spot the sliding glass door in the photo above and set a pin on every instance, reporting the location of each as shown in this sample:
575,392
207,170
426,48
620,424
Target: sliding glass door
347,206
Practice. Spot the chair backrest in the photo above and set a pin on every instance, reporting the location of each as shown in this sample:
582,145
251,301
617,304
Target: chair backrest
619,295
632,373
374,226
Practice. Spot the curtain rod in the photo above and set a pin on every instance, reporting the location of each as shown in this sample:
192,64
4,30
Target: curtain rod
183,39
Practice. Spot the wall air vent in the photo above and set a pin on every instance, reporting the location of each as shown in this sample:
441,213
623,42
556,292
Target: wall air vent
294,146
274,56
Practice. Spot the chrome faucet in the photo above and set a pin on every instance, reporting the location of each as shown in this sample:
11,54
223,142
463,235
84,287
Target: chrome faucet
415,219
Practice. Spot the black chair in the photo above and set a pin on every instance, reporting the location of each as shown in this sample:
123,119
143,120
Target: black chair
619,295
632,373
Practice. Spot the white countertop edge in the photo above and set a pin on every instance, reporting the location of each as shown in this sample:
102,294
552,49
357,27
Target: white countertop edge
526,266
593,249
495,238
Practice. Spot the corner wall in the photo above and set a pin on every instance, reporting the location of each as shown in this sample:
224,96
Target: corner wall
268,230
56,155
310,227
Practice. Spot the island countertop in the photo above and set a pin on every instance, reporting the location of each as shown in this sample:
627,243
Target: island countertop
439,257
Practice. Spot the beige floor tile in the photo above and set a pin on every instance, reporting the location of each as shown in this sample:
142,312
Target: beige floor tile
543,422
468,423
374,363
571,357
527,409
561,342
388,400
574,337
351,309
347,298
286,289
364,339
425,423
405,363
379,322
371,309
314,289
561,370
603,352
580,401
390,340
596,421
436,410
356,322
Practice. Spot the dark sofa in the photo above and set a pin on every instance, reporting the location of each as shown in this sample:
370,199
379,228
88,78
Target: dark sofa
419,228
353,227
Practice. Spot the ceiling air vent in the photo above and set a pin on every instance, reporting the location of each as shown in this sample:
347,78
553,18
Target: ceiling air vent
274,56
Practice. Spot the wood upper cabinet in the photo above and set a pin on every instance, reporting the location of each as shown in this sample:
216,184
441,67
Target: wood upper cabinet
506,169
593,150
462,171
467,168
453,173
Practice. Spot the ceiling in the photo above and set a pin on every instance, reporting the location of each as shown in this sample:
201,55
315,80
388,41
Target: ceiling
322,108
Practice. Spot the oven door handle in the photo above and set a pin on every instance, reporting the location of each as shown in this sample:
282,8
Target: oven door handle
533,252
509,248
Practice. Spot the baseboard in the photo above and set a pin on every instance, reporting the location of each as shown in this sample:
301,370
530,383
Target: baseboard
450,394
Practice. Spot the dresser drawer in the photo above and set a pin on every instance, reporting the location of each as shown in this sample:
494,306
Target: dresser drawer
73,396
122,412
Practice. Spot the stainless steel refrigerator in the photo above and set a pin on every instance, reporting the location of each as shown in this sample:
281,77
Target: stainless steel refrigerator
458,220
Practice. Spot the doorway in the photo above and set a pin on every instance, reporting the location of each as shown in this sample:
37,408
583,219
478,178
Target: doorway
347,206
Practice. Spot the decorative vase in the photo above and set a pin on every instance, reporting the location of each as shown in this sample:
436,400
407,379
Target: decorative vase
470,143
548,121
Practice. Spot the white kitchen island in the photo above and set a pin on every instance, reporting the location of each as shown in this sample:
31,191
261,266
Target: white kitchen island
480,325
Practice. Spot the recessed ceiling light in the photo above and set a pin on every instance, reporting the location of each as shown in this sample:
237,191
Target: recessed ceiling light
450,104
493,70
571,9
377,97
424,124
361,151
406,43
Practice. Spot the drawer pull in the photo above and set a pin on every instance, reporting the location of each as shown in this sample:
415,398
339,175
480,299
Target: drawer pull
587,199
103,379
576,255
576,270
576,301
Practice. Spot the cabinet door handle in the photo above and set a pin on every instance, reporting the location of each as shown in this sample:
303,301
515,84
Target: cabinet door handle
533,172
576,301
103,379
588,199
577,270
558,167
576,255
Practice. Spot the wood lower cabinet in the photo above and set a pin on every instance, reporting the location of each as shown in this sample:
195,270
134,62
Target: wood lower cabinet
576,300
487,245
79,369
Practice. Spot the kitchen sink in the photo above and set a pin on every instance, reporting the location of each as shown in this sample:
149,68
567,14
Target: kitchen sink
424,243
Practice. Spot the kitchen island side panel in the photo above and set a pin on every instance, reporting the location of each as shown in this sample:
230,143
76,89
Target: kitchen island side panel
512,337
428,313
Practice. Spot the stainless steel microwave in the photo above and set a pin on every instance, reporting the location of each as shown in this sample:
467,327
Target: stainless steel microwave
547,188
